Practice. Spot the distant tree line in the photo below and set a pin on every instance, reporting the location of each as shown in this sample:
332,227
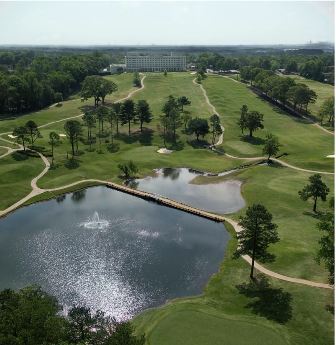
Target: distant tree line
284,90
33,82
30,316
317,67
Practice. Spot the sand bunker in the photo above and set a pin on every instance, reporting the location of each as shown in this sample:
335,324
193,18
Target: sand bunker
164,151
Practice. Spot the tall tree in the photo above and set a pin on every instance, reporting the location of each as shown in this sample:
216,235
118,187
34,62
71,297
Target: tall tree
117,110
328,109
254,121
21,133
182,101
315,189
242,122
271,146
198,127
89,119
54,139
127,113
111,118
215,125
101,112
73,130
326,252
186,118
257,233
143,113
33,131
136,79
106,88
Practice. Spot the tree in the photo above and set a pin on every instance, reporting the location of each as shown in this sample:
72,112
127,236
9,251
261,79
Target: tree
101,112
127,113
165,73
143,113
271,146
254,121
90,122
54,139
136,79
257,233
186,118
128,169
33,131
124,335
106,88
216,128
242,122
326,252
111,118
328,109
30,316
198,127
117,110
182,101
97,87
315,189
21,133
58,97
73,130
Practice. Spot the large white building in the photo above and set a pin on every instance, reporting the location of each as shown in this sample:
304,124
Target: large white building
155,63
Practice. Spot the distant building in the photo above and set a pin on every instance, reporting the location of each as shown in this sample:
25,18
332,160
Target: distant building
117,68
155,63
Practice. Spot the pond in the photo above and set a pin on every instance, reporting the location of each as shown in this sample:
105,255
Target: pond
110,251
224,197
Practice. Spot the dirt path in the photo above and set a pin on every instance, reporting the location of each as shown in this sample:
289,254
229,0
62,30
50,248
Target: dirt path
163,200
168,202
220,140
305,117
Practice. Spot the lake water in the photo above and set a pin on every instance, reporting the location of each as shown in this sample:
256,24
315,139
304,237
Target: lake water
112,251
224,197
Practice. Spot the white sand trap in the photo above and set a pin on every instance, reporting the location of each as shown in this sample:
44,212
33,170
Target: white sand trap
62,135
331,156
164,151
193,73
12,136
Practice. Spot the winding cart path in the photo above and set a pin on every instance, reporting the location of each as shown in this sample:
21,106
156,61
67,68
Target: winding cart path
151,196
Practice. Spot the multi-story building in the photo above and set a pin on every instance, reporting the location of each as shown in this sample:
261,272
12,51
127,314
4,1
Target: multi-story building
155,63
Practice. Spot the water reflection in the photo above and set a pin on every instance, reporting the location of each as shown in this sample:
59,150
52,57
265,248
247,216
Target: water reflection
111,251
224,197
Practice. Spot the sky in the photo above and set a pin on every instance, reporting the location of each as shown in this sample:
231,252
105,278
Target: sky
166,22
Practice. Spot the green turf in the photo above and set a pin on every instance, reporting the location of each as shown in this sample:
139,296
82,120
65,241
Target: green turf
277,188
323,92
295,135
221,315
224,316
16,172
67,108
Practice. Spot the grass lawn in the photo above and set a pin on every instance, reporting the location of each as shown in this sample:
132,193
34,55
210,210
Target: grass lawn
16,172
67,108
227,314
282,313
323,91
295,135
277,188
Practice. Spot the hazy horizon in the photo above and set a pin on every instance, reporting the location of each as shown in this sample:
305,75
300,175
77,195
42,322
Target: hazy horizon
141,23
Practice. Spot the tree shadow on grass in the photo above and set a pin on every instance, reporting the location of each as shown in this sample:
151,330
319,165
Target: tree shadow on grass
113,147
86,108
272,303
145,137
317,215
127,139
19,156
252,140
198,144
72,163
